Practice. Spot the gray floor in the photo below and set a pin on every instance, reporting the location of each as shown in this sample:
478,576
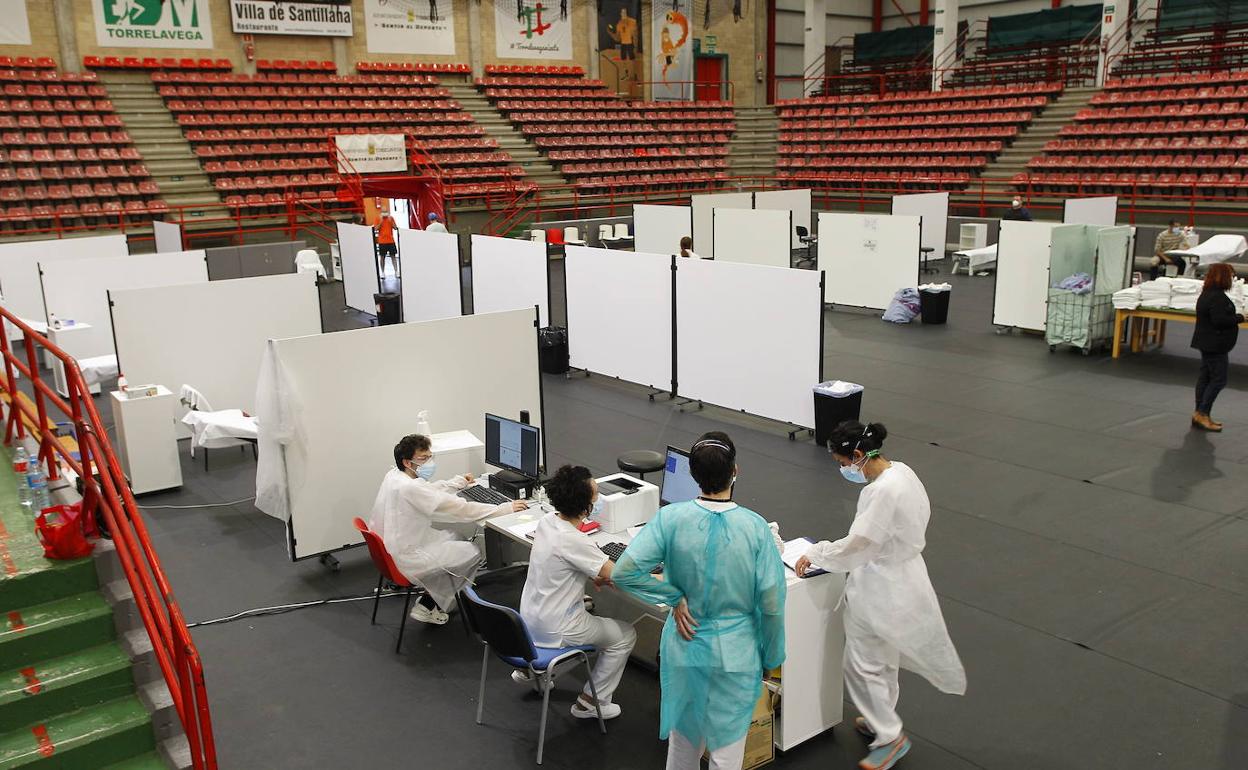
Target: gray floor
1088,550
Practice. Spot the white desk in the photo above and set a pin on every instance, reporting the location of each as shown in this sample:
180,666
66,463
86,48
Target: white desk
146,444
812,686
69,339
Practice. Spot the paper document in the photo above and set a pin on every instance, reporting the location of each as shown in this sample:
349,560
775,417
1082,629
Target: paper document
524,529
796,549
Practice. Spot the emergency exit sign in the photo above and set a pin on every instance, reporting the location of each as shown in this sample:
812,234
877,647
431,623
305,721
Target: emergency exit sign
710,44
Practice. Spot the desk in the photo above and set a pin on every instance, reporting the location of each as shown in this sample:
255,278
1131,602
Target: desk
1138,334
812,686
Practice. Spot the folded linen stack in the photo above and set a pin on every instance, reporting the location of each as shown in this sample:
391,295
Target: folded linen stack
1155,293
1183,293
1127,299
1236,293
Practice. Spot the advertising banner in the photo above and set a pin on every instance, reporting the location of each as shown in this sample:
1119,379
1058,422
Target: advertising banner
672,52
330,18
532,29
153,23
620,39
410,26
371,153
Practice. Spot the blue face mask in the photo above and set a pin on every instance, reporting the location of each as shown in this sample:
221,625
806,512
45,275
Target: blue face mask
854,472
427,470
596,508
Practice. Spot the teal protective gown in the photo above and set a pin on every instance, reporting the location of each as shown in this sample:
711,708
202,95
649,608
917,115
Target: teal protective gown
726,566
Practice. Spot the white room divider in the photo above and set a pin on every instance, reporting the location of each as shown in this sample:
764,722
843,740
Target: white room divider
509,274
1091,211
760,237
703,226
432,285
19,267
211,335
360,280
797,201
78,289
168,236
868,257
1022,278
624,331
327,431
764,360
658,229
934,209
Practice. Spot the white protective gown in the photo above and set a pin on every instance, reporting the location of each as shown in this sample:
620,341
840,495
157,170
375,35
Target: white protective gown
404,514
888,590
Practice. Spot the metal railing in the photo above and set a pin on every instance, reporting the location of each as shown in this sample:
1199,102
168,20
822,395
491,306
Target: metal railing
105,489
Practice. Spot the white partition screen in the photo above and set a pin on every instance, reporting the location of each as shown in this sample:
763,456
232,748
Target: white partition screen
658,229
358,253
78,289
797,201
729,358
211,335
19,267
1091,211
1022,288
625,332
322,459
934,208
432,281
868,257
168,236
703,226
760,237
509,274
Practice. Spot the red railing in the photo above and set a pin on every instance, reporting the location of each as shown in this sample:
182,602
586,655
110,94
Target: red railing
104,488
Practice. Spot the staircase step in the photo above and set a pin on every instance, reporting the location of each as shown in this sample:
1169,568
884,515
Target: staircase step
26,577
54,628
59,685
149,761
88,739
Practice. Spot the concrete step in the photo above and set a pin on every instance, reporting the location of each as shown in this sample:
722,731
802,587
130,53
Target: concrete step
58,685
90,738
54,628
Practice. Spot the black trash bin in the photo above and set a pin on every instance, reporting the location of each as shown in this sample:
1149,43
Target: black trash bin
389,308
934,305
552,349
835,402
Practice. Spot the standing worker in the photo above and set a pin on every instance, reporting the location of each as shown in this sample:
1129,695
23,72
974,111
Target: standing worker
385,242
725,583
435,223
892,617
1217,331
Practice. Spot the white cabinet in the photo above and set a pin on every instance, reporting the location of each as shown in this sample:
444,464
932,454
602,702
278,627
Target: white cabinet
146,444
972,236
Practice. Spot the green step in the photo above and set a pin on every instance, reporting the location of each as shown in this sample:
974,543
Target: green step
88,739
60,685
150,761
54,628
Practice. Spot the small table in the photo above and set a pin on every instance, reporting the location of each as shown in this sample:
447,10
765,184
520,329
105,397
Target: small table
1139,334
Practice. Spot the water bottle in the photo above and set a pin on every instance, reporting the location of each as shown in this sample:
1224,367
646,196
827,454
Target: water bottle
20,466
39,491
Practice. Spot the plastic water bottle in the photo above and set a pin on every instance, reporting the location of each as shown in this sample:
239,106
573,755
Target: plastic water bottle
20,466
39,498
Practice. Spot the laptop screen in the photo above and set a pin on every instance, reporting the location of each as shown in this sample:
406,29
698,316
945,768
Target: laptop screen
678,484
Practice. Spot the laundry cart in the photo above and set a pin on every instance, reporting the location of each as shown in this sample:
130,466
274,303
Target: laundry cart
1087,264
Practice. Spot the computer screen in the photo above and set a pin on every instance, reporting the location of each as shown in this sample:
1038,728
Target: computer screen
678,484
512,445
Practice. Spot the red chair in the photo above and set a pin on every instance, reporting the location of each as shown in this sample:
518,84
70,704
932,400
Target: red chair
386,570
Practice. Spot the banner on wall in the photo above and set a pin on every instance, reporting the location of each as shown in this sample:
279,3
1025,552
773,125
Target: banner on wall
371,153
620,36
14,26
533,29
671,66
410,26
153,23
268,17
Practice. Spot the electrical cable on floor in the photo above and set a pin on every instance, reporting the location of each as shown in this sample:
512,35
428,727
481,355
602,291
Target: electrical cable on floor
281,609
205,505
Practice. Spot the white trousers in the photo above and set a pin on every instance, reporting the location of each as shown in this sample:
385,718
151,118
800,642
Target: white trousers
871,668
683,755
614,641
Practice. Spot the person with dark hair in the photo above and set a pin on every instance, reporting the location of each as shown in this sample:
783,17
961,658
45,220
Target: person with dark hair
552,604
1170,239
892,617
725,583
408,504
1217,331
686,248
386,246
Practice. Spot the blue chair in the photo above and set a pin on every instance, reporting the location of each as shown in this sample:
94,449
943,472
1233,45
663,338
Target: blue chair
503,632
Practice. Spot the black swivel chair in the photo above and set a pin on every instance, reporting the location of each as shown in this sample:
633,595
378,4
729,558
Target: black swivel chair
807,240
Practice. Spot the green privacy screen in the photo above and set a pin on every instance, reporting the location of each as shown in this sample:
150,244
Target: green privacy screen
1059,25
1177,15
900,43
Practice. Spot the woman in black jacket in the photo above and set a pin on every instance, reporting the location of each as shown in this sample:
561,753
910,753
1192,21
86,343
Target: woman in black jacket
1217,329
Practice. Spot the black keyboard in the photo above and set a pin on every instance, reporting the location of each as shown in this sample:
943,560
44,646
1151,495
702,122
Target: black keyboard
615,550
478,494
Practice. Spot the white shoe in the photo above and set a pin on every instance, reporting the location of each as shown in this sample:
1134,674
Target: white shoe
433,616
521,677
582,711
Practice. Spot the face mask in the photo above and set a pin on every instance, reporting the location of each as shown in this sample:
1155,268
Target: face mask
1175,230
596,509
854,473
427,470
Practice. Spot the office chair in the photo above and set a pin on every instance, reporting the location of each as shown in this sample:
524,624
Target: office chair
503,632
386,570
807,240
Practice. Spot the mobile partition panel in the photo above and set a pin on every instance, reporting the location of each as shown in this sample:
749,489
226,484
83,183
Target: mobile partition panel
797,201
19,268
168,236
658,229
703,226
1091,211
753,237
620,314
1022,276
750,337
360,279
868,257
934,208
508,274
327,431
432,285
78,289
211,335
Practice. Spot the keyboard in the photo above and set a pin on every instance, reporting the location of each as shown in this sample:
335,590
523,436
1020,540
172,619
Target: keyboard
479,494
615,550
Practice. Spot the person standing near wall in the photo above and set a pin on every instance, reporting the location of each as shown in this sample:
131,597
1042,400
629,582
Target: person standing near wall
385,242
1217,331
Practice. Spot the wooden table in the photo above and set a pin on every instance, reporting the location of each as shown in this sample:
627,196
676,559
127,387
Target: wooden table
1139,334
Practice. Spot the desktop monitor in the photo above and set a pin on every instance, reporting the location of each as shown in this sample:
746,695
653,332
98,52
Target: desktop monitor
678,483
512,445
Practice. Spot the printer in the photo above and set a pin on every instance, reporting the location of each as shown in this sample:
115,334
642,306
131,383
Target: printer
626,502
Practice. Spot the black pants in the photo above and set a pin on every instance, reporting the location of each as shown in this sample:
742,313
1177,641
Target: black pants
1157,270
1211,381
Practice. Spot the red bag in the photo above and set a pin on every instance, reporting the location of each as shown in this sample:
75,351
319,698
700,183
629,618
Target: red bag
60,530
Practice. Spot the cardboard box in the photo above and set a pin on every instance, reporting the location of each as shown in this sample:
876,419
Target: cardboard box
760,743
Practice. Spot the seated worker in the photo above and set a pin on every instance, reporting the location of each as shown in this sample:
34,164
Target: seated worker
686,248
408,504
553,605
1017,211
1168,240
